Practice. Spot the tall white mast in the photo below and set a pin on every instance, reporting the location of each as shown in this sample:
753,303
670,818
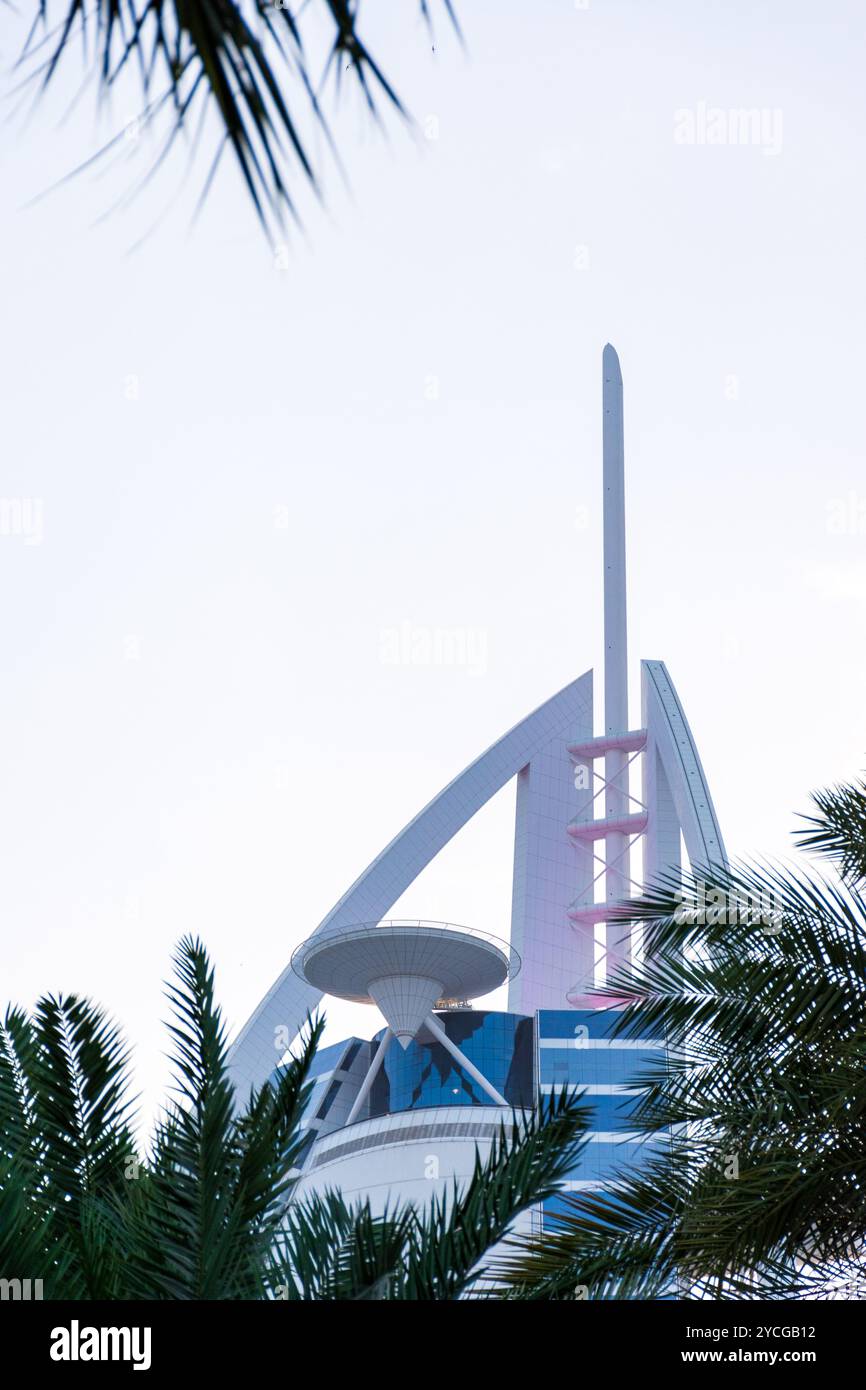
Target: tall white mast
617,877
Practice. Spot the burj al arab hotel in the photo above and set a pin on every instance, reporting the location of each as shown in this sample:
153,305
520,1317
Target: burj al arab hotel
440,1072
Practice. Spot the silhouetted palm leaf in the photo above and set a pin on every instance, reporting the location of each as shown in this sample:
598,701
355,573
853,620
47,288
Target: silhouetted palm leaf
839,829
245,59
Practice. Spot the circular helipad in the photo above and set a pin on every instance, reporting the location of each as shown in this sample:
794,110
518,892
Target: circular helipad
465,964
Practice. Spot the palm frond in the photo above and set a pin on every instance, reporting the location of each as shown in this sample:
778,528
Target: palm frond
526,1166
755,1184
79,1077
217,1181
839,829
246,60
65,1141
332,1250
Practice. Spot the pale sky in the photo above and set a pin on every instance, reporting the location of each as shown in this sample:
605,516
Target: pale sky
393,427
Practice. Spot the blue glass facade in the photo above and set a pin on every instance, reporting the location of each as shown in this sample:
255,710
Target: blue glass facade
520,1056
575,1048
500,1045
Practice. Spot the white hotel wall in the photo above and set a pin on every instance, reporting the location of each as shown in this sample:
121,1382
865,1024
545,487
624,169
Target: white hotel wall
399,1168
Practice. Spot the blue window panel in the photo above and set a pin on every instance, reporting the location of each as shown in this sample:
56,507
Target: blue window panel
570,1023
351,1053
329,1058
500,1045
556,1206
611,1112
597,1066
602,1162
600,1067
303,1151
330,1096
575,1063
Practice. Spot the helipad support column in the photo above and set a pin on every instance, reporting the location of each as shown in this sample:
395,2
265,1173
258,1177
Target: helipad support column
372,1073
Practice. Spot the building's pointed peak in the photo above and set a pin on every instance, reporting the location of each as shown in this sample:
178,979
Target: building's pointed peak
610,362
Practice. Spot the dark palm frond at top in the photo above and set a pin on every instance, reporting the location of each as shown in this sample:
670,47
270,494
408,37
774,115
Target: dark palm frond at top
246,60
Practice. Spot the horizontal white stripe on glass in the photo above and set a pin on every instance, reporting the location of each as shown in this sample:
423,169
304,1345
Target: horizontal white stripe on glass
580,1044
611,1090
622,1136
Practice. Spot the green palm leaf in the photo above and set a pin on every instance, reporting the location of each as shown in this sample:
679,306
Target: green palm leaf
65,1141
839,829
217,1180
526,1166
331,1250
